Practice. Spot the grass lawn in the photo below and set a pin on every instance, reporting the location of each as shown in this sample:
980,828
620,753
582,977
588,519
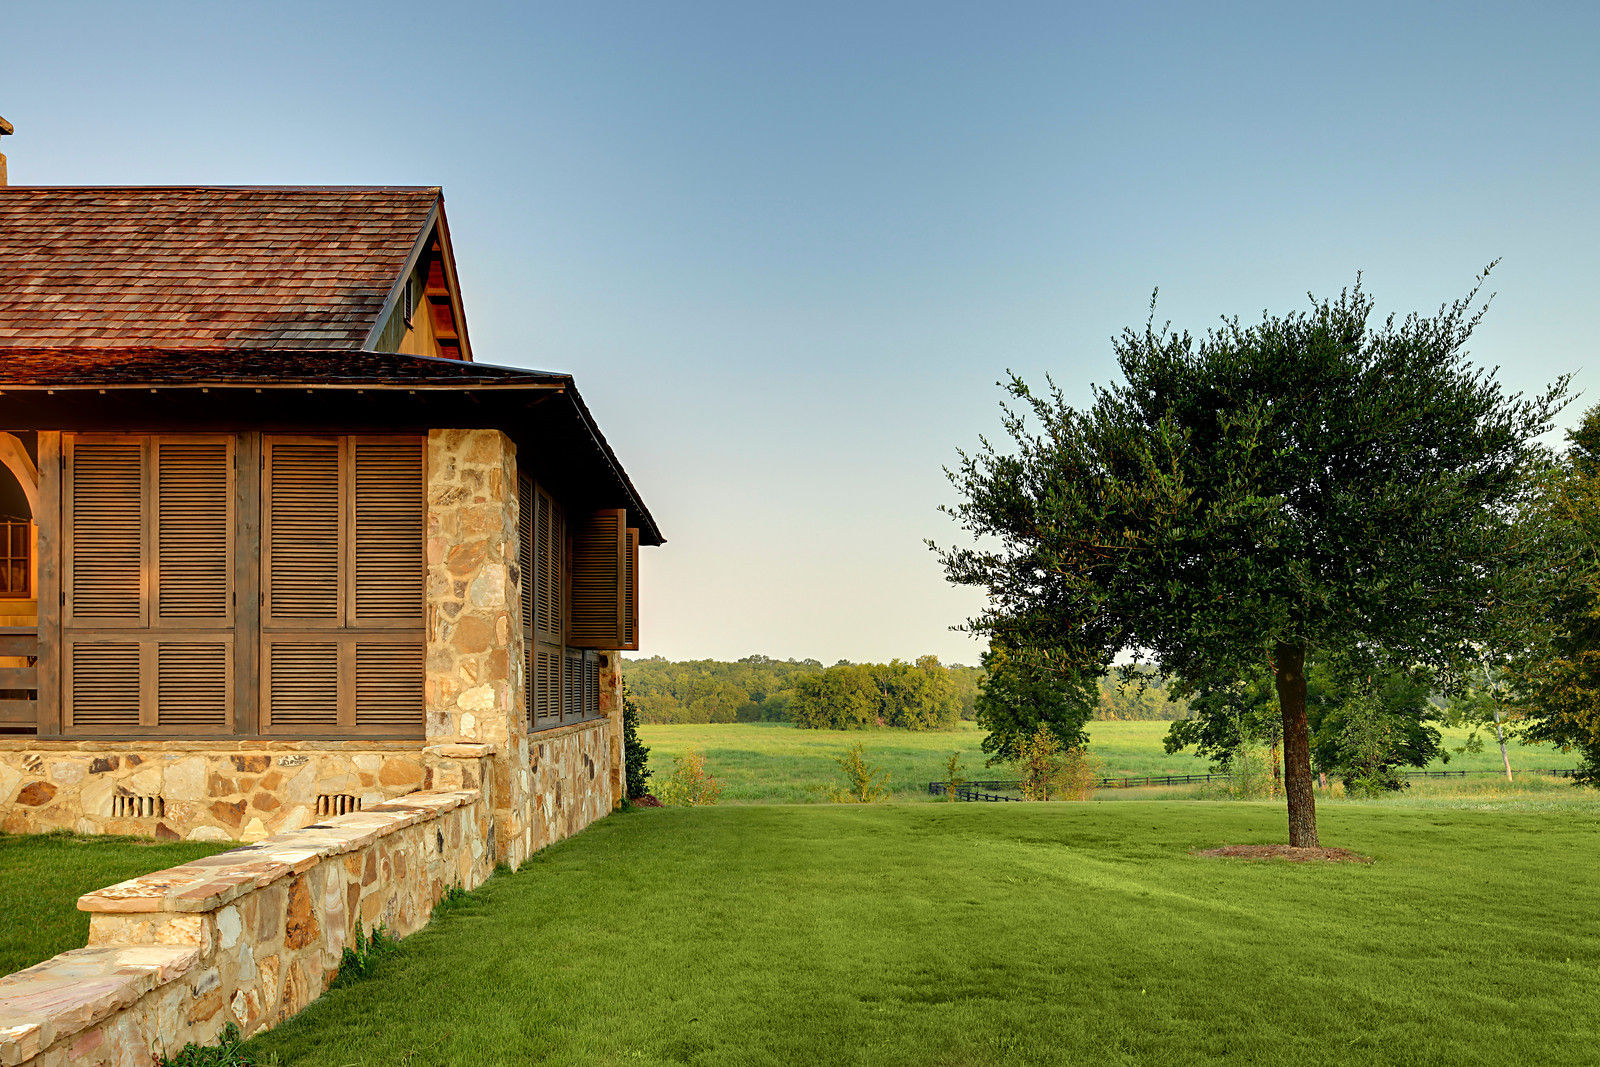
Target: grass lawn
776,762
43,875
998,934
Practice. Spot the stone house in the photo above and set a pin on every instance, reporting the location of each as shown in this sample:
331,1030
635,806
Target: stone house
273,545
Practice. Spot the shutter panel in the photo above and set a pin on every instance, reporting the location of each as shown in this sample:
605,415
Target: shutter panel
526,510
302,527
550,551
630,595
103,685
548,691
194,528
390,514
591,684
572,686
194,685
301,690
105,554
599,566
389,686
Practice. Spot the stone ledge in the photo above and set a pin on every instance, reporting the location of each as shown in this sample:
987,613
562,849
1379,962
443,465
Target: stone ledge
538,737
460,750
207,884
71,992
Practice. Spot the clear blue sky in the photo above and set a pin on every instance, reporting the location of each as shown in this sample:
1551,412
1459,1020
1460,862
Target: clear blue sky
788,249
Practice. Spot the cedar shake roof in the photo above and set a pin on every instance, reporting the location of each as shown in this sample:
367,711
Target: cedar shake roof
252,268
92,366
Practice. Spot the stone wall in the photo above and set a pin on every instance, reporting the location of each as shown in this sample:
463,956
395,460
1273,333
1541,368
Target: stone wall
249,936
232,790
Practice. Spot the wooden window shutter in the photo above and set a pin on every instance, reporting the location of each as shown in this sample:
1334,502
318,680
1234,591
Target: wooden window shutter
547,693
572,686
106,503
300,685
591,684
194,684
599,580
550,531
193,531
630,595
103,687
302,536
388,686
389,515
526,508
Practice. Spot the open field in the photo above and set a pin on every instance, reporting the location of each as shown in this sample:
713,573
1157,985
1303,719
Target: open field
776,762
43,875
997,934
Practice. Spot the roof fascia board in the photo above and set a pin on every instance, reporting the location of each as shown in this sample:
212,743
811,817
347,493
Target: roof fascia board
418,246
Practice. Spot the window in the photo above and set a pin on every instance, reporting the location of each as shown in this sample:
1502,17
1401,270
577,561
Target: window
16,558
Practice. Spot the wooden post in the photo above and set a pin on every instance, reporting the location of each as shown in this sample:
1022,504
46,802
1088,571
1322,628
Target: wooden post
48,519
247,585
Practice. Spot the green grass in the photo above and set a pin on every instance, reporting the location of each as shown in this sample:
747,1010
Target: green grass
43,875
998,934
776,762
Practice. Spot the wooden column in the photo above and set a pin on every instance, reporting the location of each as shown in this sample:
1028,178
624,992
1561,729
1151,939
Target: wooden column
48,519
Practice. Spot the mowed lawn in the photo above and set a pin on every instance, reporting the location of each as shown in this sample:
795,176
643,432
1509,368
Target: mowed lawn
998,934
43,875
777,762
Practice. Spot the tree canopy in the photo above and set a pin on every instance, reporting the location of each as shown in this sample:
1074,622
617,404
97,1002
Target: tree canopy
1315,481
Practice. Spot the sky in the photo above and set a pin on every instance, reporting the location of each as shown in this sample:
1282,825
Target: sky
788,250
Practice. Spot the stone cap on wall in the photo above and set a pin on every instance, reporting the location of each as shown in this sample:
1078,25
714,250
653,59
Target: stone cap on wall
208,884
73,991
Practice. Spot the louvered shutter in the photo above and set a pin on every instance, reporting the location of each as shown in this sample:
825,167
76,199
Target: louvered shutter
194,684
388,686
572,686
302,522
526,510
300,685
630,595
102,691
193,532
389,517
591,684
598,580
547,694
106,522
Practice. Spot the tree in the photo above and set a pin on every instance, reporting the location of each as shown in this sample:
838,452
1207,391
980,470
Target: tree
843,697
1363,728
1017,697
1556,674
1313,482
635,753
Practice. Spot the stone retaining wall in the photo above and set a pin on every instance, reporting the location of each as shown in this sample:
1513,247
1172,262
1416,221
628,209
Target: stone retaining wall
249,936
198,790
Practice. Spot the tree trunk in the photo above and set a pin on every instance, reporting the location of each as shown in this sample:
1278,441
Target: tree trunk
1289,664
1500,735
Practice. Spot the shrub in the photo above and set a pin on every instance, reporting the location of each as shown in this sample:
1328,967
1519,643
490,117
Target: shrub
953,778
867,784
690,783
635,753
1080,772
1047,770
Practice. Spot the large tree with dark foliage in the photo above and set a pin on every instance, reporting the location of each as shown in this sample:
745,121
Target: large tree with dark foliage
1315,481
1017,696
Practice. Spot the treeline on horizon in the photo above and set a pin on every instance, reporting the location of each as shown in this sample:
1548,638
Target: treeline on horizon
922,695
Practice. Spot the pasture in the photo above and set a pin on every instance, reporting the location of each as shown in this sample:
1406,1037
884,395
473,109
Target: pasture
997,934
779,763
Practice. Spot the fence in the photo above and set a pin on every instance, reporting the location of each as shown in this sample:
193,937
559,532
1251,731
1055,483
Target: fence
982,789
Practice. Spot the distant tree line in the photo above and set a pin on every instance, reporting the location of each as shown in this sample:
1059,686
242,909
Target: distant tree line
848,695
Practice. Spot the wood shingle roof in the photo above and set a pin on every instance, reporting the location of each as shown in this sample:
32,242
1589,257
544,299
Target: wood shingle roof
183,267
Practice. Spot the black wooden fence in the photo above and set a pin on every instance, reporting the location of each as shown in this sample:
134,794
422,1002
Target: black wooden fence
983,789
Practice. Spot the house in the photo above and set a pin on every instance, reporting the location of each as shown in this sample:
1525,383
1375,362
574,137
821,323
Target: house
274,545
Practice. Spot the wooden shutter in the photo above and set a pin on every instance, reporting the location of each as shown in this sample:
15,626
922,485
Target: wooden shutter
302,522
103,685
389,515
550,570
526,598
599,578
194,685
630,595
193,531
547,693
106,503
300,686
572,686
388,686
591,684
